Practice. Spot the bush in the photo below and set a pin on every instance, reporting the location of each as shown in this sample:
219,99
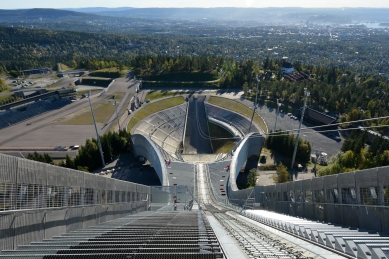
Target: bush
268,167
281,175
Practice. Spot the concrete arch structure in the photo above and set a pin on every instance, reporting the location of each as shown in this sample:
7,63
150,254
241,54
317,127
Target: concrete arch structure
144,146
250,145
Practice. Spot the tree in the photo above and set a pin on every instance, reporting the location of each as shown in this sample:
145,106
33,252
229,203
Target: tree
69,163
252,177
349,159
74,64
3,85
281,175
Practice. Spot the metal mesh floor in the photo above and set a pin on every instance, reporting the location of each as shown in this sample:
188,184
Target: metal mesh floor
151,234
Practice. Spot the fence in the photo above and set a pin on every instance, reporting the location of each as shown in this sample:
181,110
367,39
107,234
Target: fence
38,200
356,199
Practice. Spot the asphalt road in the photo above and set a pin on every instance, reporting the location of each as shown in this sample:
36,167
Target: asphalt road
42,133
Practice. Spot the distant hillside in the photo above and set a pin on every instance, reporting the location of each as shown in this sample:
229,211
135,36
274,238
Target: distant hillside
320,15
39,14
97,9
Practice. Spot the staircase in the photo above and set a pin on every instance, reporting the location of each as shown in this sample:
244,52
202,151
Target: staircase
150,234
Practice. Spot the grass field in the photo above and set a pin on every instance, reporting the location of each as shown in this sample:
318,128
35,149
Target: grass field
102,110
182,76
8,98
153,95
221,145
153,108
106,72
239,108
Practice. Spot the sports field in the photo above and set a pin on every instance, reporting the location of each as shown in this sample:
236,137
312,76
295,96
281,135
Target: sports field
102,110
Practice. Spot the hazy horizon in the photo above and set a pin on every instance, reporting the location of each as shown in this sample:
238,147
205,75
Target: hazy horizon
24,4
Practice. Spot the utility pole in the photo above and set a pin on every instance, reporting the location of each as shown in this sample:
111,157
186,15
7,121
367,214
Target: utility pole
117,117
277,112
306,93
97,133
255,104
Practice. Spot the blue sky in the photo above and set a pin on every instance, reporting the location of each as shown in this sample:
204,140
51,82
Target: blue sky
16,4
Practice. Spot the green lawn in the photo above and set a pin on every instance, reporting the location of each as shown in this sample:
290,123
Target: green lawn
223,145
102,110
153,108
153,95
8,98
109,72
239,108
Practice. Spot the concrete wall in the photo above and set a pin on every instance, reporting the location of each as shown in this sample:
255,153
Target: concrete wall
143,146
249,146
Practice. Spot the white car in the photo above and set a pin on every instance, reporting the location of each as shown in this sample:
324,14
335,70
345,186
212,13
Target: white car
289,114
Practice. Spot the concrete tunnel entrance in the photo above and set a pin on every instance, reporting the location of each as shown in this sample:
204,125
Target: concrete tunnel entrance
251,163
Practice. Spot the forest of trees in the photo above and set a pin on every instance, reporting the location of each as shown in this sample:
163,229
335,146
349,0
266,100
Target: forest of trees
356,155
88,157
176,64
283,143
53,42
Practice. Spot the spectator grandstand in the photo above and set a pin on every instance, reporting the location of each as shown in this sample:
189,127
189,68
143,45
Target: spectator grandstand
20,114
241,123
166,128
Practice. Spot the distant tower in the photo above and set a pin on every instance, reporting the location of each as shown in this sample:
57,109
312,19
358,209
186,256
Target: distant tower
59,67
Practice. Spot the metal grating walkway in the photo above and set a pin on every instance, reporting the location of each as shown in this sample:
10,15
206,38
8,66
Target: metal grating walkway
157,234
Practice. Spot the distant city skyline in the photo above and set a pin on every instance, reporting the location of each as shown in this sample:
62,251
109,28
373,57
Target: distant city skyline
25,4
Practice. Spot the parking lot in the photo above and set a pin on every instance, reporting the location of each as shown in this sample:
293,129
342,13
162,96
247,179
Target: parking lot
318,140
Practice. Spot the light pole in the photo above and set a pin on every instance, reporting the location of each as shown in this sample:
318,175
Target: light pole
117,117
306,93
97,133
278,111
255,104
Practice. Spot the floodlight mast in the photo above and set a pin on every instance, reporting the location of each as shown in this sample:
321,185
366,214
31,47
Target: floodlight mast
306,93
255,104
97,133
117,117
277,112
